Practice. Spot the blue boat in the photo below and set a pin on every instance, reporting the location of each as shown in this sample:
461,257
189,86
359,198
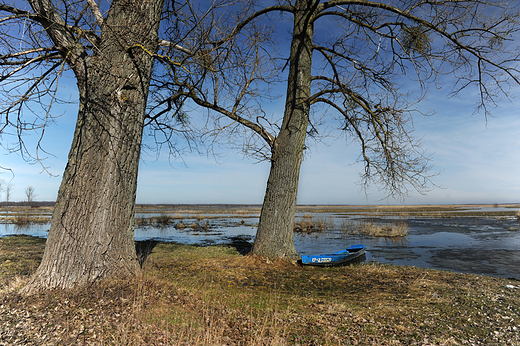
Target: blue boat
352,254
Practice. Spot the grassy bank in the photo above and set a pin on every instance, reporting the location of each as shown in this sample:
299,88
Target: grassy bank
189,295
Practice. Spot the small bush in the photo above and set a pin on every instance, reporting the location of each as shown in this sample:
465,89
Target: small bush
194,226
180,225
141,221
370,228
21,220
26,219
199,226
388,230
309,224
162,220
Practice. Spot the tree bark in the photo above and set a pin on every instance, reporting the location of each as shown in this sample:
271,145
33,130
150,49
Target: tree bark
91,235
275,234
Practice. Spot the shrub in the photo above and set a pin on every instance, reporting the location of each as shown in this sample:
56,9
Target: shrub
370,228
309,224
180,225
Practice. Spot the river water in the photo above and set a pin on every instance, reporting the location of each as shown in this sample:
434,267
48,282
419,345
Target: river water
479,245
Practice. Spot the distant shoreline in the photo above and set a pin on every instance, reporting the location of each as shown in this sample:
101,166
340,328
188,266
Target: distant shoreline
233,205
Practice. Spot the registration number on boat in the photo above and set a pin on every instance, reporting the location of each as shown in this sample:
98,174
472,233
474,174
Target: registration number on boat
322,260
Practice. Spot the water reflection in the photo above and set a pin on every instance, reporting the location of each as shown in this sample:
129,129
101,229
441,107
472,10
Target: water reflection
39,230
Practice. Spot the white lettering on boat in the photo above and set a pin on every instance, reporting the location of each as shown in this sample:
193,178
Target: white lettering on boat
322,260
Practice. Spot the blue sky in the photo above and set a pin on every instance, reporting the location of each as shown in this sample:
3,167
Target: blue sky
478,161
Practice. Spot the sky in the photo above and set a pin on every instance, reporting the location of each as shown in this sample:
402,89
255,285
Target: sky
476,158
476,161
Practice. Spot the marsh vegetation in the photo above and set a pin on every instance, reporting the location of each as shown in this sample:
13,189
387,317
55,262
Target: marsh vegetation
483,239
311,224
379,230
24,216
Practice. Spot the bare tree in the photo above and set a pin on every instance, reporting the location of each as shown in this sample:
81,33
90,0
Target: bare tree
30,194
2,182
355,61
110,49
8,192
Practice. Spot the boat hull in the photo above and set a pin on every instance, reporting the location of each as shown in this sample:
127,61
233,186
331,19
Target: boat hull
352,254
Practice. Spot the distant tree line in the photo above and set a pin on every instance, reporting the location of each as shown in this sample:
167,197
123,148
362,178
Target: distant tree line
24,203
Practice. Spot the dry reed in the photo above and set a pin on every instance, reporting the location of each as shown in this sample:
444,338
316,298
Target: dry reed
311,224
378,230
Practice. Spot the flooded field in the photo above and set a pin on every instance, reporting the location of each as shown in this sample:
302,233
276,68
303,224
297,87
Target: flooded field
471,239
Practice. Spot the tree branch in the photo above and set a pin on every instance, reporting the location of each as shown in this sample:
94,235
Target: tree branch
252,17
96,12
57,30
260,130
436,28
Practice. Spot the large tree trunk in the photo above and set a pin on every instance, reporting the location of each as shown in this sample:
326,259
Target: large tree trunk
91,235
275,235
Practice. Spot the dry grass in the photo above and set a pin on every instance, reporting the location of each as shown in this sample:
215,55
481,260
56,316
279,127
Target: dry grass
312,224
204,211
19,257
210,211
180,225
191,295
387,230
162,220
29,219
436,211
165,220
25,218
378,230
